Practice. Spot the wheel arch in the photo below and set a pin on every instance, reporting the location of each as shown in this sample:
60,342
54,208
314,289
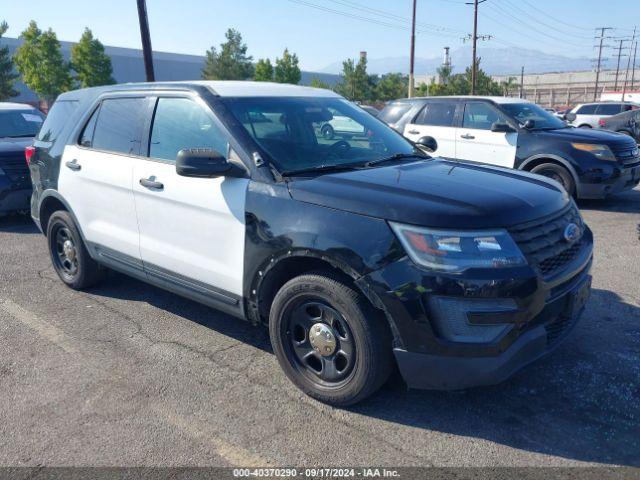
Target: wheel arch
535,160
50,202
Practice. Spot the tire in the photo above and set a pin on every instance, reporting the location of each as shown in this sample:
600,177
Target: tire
558,173
362,349
327,131
624,132
585,126
69,255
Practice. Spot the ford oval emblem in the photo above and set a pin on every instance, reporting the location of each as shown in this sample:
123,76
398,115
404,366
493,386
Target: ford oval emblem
571,232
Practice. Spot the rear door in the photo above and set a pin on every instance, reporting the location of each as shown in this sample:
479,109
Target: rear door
477,143
586,115
191,229
436,119
95,176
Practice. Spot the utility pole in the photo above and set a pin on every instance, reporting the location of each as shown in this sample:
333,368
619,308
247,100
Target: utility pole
474,39
412,56
620,42
522,82
146,41
633,69
595,91
626,74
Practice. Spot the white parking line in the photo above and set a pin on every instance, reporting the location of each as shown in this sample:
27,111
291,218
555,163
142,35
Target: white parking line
40,327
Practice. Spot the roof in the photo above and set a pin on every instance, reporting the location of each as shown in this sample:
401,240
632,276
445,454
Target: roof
469,97
223,88
15,106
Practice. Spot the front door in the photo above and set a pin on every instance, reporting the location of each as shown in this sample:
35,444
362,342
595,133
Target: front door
191,229
437,120
477,143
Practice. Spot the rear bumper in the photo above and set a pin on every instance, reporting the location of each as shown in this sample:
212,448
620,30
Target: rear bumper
13,197
621,180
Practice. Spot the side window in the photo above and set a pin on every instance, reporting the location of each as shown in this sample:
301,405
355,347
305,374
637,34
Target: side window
86,139
609,109
438,114
119,125
587,110
181,123
480,116
56,120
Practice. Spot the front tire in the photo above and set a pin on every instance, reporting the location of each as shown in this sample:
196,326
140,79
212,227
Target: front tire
557,173
329,340
69,255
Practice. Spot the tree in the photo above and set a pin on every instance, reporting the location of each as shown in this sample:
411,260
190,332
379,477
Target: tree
41,64
231,63
460,83
317,83
263,71
391,86
91,64
356,84
287,70
7,75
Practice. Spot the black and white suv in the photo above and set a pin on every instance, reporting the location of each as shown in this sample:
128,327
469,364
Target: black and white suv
354,252
515,133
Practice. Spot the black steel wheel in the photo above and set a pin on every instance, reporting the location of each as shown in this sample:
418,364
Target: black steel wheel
330,342
69,256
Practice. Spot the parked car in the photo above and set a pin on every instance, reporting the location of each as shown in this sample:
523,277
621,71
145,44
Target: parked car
514,133
627,123
371,110
586,115
19,123
357,253
340,125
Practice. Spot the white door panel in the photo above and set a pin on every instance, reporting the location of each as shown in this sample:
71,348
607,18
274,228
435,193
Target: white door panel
445,136
485,146
100,195
194,227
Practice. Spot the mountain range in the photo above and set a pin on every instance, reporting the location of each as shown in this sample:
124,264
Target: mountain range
494,61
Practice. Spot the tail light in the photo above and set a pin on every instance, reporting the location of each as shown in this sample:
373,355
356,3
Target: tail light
28,153
601,122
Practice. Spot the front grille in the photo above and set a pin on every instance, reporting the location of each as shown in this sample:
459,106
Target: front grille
543,244
627,154
16,168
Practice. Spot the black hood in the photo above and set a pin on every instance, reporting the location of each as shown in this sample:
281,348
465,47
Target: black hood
11,146
587,135
436,193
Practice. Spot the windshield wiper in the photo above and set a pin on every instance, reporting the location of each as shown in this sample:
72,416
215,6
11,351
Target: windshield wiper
397,156
324,168
26,135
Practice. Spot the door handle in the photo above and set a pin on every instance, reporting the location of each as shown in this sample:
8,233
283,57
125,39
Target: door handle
73,165
466,136
151,183
413,132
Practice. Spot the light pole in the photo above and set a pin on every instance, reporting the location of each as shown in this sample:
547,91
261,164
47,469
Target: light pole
412,55
146,41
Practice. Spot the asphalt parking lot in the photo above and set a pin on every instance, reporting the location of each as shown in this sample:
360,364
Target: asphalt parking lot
129,375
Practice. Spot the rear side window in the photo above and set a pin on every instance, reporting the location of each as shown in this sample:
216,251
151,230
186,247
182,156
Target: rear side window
393,112
57,119
119,125
181,123
587,110
438,114
86,139
609,109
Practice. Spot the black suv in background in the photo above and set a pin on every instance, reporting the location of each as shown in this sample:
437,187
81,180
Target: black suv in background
356,252
627,123
19,123
515,133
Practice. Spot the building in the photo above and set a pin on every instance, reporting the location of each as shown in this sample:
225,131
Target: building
128,66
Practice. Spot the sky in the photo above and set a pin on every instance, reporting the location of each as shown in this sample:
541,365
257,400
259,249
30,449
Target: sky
338,29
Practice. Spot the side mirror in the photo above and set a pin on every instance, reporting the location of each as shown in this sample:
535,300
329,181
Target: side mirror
570,117
529,124
428,144
205,163
502,127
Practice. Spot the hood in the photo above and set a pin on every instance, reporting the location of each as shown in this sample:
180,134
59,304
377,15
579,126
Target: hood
586,135
11,146
436,193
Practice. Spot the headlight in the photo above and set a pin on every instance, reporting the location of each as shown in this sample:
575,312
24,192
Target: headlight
450,251
601,151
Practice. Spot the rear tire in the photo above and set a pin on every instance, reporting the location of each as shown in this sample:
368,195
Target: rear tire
328,133
557,173
355,359
585,126
69,255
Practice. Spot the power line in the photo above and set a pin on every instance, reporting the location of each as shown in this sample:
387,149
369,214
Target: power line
561,22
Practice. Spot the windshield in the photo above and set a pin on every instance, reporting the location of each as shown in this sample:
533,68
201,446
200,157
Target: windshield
530,111
302,133
20,123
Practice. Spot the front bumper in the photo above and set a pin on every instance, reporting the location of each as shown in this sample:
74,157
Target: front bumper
543,312
13,197
619,180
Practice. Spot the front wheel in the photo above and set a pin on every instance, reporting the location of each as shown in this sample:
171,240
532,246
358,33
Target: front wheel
328,339
557,173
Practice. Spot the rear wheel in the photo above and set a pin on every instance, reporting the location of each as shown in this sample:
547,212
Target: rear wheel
557,173
328,340
584,126
328,132
69,256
